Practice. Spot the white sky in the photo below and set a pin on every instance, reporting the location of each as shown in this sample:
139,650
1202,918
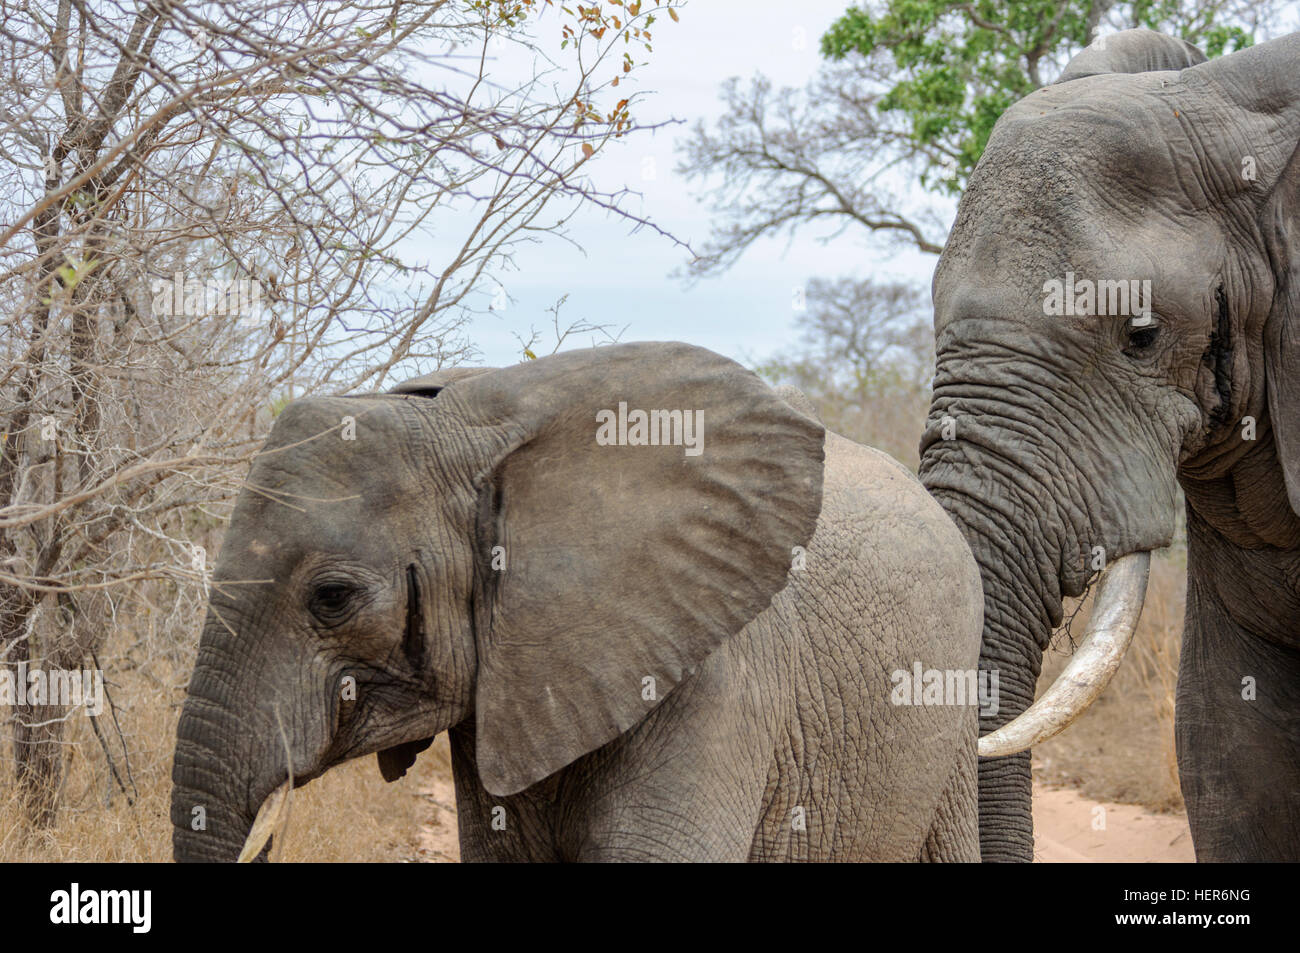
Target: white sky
623,279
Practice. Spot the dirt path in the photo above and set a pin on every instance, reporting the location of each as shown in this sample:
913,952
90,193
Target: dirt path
1071,829
438,841
1065,827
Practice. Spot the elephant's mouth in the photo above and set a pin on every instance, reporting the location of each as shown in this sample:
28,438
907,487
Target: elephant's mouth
1110,632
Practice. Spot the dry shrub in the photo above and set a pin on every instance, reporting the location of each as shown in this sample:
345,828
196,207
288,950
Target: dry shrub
350,814
178,264
94,820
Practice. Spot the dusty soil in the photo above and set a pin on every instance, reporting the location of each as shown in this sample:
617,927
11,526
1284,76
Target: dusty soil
1069,828
438,842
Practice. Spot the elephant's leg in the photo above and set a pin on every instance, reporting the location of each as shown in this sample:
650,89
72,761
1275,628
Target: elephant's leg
650,831
954,835
685,785
493,829
1237,727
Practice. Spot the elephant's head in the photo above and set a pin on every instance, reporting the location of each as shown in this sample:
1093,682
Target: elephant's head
485,545
1063,418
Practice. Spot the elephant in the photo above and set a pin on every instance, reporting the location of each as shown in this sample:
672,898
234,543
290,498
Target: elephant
1063,419
675,642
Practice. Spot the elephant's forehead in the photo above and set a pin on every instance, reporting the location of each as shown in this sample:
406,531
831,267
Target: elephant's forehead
1119,144
1050,201
333,463
328,424
1114,110
335,439
286,513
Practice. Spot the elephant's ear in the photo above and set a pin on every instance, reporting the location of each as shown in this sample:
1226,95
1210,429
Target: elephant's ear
626,554
429,385
1259,88
1132,51
1280,226
799,401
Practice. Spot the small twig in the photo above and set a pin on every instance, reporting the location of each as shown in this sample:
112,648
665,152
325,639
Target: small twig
108,756
112,708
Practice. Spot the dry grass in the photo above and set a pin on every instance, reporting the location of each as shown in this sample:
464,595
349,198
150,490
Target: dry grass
1122,748
350,814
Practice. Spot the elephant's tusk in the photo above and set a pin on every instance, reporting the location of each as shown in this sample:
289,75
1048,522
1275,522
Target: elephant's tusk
1110,631
264,825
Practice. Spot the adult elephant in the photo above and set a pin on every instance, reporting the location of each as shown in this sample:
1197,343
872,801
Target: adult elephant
680,642
1063,417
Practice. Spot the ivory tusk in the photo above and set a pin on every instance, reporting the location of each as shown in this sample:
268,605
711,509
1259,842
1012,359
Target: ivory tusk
264,825
1110,631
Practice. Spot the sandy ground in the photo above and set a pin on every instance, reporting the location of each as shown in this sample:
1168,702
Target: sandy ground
1068,829
438,841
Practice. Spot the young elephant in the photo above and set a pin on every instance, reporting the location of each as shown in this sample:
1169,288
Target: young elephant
667,636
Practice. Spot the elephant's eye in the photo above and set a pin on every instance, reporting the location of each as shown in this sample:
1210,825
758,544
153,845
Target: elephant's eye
1140,335
330,600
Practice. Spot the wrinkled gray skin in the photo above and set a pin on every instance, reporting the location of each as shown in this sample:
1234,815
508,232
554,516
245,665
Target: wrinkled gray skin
1071,431
373,558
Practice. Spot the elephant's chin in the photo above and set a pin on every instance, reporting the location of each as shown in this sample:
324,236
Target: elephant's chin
1110,632
394,761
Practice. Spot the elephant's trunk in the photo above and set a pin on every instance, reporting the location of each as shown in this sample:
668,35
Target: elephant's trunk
210,816
992,465
1043,504
1011,500
215,793
1017,626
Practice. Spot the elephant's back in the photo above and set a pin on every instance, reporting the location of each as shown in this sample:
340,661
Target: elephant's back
887,581
891,522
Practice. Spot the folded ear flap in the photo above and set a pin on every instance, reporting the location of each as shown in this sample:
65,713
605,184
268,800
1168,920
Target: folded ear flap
1280,226
1132,51
428,385
1258,88
799,401
645,499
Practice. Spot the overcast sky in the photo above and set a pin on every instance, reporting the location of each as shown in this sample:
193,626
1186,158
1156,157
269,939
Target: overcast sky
747,313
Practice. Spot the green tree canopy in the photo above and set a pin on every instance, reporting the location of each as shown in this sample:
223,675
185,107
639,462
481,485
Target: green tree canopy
958,66
910,90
